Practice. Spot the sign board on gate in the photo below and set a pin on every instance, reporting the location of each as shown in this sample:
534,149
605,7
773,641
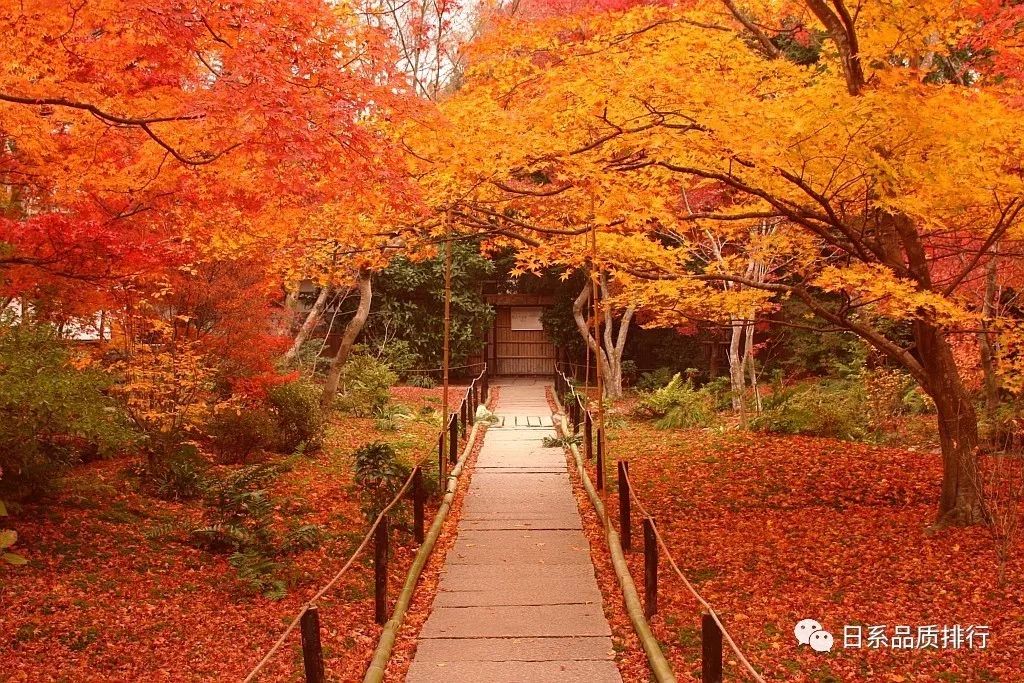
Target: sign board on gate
526,318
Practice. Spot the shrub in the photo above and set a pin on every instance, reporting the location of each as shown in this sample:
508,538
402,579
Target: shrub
8,537
678,404
397,354
389,417
421,381
834,408
365,386
629,372
300,420
655,379
179,476
379,476
237,431
165,388
55,411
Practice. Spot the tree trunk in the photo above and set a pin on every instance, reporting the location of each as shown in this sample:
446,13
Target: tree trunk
960,500
348,339
748,359
988,356
737,380
609,353
311,321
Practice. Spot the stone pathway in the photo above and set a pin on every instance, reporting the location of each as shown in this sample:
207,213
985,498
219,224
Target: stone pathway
518,601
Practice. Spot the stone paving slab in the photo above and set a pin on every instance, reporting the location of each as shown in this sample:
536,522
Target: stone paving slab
512,649
514,672
539,593
482,577
520,547
516,621
518,600
547,523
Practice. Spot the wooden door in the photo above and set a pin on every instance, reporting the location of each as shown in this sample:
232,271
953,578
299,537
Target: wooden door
519,349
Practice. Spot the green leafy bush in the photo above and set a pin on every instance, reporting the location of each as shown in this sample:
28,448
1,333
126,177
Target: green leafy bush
421,381
379,475
179,476
832,408
300,420
655,379
365,386
237,431
389,417
54,412
8,538
721,389
678,405
397,354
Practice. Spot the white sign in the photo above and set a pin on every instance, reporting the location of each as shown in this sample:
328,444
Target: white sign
526,318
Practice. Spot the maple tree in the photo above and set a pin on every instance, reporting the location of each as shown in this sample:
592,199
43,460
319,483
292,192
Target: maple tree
892,180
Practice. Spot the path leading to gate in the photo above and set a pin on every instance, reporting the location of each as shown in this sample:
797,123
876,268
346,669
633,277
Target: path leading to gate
518,600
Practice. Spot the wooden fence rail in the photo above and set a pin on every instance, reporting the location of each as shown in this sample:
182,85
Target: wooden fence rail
576,409
308,619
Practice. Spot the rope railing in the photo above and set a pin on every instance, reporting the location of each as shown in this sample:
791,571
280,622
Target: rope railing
577,411
475,394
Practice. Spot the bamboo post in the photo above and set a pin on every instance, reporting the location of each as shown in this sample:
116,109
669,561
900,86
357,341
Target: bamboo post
380,571
588,435
711,650
625,530
441,455
312,653
650,569
600,459
453,440
417,504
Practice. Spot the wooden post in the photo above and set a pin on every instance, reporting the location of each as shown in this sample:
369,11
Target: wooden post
588,435
453,441
417,504
380,571
312,653
711,650
600,459
441,458
486,388
625,531
476,402
650,569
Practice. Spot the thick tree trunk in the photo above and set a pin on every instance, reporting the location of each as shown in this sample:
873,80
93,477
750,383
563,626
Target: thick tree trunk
311,321
608,353
348,339
960,500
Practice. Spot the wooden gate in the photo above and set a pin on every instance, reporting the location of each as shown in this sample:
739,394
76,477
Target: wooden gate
519,345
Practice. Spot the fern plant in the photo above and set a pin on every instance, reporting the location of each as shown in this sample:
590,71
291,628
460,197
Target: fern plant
561,441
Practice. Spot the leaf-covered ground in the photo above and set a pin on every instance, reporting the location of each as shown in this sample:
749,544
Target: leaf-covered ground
104,599
776,529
